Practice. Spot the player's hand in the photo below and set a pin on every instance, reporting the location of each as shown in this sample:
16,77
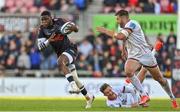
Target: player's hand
72,27
51,38
134,105
124,54
101,29
42,46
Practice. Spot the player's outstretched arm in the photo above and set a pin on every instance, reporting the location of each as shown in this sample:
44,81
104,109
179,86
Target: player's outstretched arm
105,31
120,36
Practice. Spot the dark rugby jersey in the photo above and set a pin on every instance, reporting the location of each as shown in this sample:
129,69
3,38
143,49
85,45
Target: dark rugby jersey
62,42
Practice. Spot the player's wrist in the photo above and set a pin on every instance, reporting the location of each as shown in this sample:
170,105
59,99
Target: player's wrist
115,34
46,42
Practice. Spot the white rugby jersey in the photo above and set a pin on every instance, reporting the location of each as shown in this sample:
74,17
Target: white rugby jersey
136,43
126,96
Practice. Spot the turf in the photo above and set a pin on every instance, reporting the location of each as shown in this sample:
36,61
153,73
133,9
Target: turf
75,104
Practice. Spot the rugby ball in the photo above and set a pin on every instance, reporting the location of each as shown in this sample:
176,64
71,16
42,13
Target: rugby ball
65,28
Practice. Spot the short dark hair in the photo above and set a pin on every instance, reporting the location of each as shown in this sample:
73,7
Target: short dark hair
103,87
122,13
45,13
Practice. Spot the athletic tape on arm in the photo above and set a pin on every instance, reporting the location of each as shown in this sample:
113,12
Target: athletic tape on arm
125,32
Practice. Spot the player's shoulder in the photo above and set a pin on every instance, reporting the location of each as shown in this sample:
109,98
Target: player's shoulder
55,20
132,24
40,28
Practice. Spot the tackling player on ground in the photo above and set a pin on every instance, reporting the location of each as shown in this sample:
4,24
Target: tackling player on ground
121,96
139,54
50,34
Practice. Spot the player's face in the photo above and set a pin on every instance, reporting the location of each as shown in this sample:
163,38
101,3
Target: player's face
118,19
45,21
108,91
121,20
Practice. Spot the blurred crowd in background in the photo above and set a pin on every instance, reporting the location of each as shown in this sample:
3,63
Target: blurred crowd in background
108,6
35,6
141,6
98,54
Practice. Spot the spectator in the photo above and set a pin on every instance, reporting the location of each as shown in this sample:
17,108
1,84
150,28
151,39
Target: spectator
33,35
168,68
2,69
11,62
53,61
2,4
23,60
64,6
54,5
91,36
13,48
85,47
18,39
35,59
149,7
81,5
166,7
2,57
157,7
171,46
172,34
82,63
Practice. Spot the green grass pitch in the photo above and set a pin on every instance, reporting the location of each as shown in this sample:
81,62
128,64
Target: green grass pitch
73,104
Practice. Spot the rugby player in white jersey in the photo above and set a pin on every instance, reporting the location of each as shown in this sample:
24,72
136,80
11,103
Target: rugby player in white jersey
126,95
122,96
139,54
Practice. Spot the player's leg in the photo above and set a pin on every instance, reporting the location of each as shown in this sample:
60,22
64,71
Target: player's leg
63,62
141,75
131,67
89,98
157,75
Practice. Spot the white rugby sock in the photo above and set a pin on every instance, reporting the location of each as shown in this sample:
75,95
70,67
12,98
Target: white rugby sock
137,84
69,77
168,90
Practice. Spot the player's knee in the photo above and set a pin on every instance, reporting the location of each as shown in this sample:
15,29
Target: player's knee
62,62
71,67
161,80
129,73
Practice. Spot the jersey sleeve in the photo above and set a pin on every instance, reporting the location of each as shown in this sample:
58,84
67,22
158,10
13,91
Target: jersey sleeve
113,105
59,22
132,25
40,33
117,105
119,89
